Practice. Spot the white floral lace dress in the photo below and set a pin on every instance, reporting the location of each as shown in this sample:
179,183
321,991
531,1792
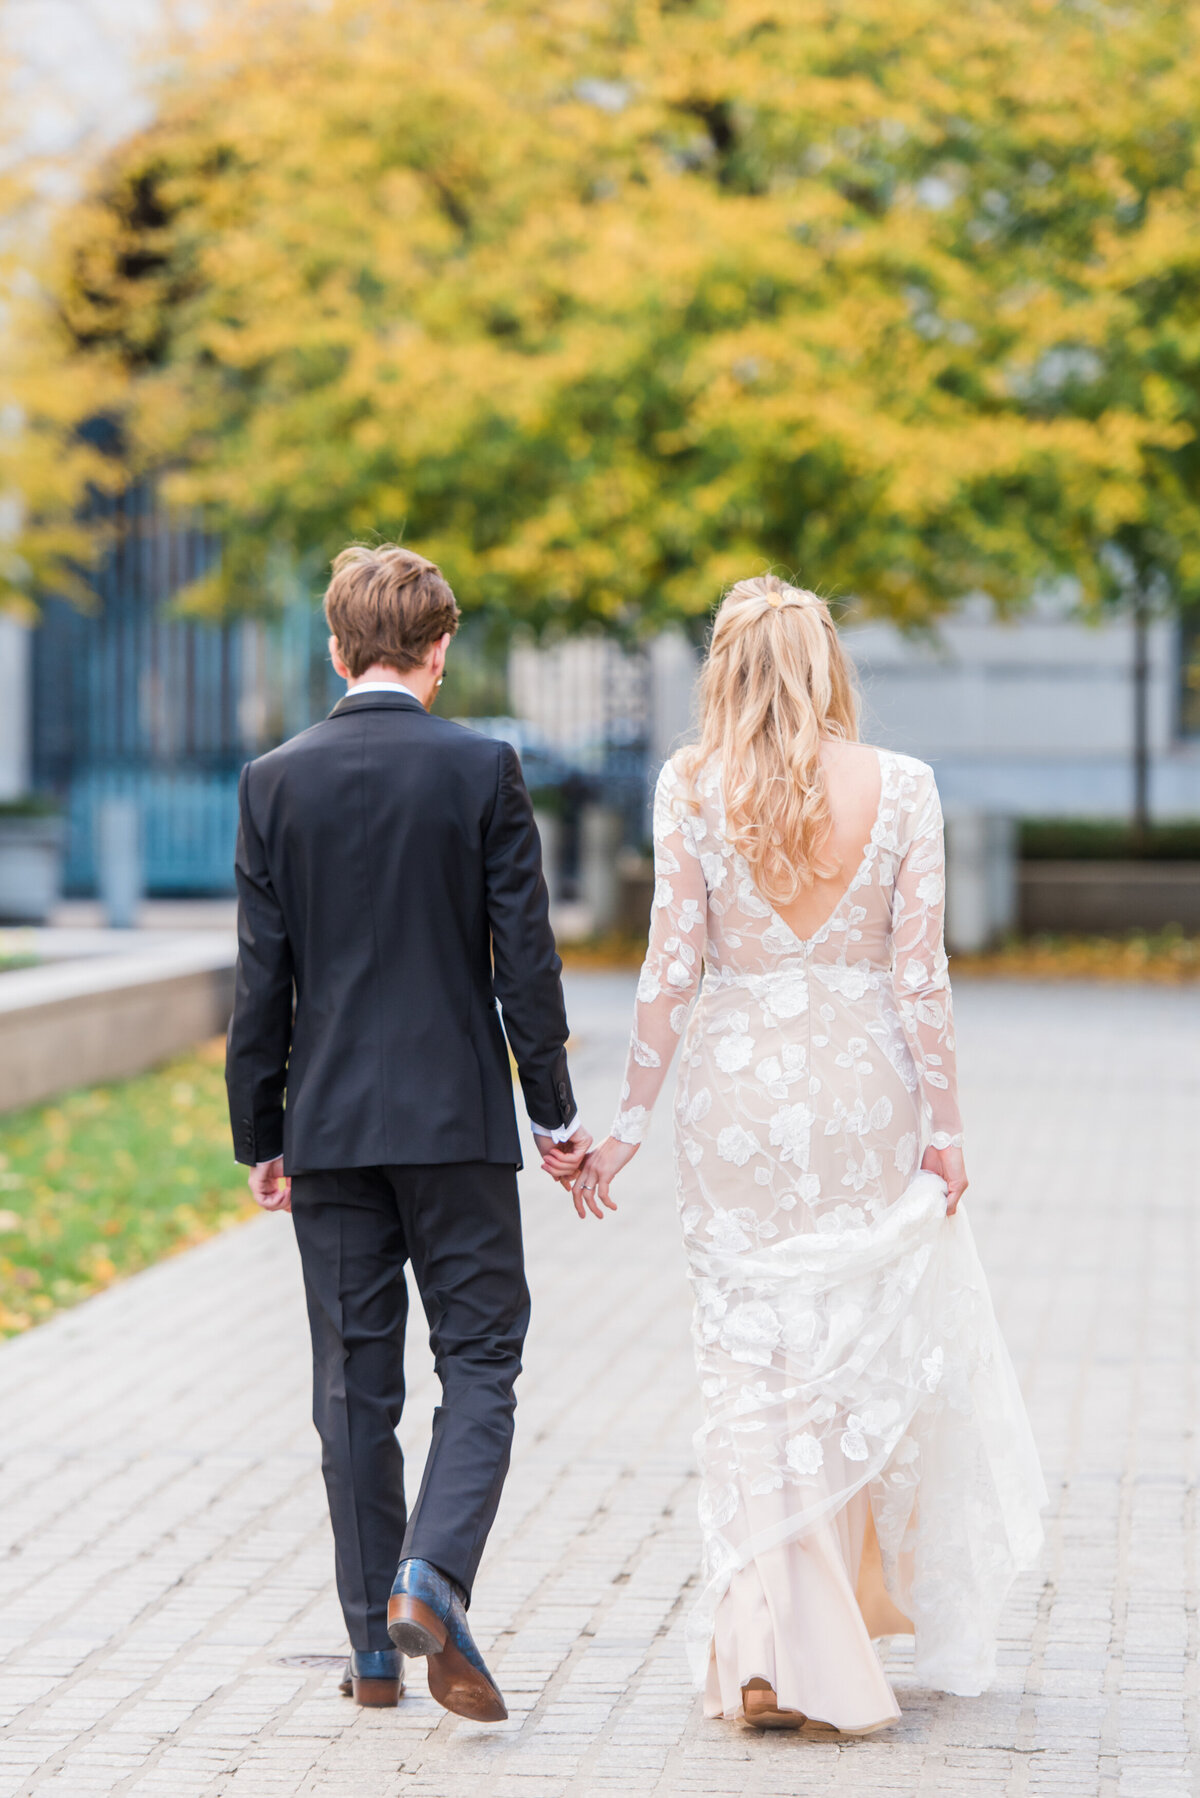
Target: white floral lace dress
867,1464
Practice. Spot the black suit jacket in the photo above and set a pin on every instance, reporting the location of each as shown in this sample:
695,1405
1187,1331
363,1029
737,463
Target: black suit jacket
389,871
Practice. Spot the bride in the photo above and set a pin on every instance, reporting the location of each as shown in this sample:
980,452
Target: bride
867,1465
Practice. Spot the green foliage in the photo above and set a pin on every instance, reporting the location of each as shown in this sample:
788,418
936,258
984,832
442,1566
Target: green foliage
606,302
29,805
1102,840
108,1180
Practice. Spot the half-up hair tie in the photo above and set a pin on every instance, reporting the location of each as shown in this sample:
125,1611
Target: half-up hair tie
787,595
772,591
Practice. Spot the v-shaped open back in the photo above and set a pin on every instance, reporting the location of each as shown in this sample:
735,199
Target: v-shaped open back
807,916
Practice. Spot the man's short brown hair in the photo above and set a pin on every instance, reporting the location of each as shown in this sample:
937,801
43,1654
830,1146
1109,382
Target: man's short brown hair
387,605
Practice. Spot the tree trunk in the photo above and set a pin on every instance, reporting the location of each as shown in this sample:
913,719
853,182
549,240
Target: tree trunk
1141,723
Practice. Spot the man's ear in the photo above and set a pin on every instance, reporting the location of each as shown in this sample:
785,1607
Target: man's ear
335,656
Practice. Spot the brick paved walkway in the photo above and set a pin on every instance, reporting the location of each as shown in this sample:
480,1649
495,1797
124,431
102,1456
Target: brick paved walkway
164,1554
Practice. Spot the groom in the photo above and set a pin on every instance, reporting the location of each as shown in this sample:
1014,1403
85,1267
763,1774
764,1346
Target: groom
390,892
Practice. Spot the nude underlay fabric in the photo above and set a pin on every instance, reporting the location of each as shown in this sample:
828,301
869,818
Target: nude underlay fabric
802,1616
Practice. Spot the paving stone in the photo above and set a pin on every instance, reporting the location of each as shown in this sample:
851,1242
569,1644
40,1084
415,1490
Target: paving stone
164,1545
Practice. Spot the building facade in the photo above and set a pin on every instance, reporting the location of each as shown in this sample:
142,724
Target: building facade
1035,717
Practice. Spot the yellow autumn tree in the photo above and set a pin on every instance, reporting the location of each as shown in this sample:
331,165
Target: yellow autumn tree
604,302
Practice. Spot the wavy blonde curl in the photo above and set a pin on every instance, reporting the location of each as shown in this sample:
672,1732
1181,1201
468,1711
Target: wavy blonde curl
775,685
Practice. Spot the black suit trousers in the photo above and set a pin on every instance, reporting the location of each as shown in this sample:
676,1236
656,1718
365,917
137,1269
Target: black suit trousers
459,1224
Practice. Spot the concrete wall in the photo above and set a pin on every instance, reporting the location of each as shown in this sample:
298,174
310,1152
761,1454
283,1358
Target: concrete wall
1032,718
1108,896
78,1023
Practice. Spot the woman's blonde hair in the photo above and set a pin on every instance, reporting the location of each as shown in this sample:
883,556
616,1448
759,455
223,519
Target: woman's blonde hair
775,684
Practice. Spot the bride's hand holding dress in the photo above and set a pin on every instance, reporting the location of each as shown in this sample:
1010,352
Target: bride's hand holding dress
948,1165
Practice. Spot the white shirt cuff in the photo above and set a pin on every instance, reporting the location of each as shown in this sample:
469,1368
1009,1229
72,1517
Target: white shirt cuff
562,1134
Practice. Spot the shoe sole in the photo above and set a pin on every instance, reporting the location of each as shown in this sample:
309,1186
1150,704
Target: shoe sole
380,1694
414,1628
453,1681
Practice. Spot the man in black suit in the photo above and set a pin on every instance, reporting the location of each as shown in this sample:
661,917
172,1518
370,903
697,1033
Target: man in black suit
390,892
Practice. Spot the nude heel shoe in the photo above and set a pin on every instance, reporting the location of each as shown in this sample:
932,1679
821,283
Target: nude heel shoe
760,1707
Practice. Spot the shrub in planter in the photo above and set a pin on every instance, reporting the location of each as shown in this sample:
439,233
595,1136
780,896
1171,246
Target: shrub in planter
31,857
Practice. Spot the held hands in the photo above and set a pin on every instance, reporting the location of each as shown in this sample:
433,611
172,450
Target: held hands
950,1166
563,1160
601,1166
270,1186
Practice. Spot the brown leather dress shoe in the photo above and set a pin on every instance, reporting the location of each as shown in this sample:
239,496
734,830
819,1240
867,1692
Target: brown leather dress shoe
374,1676
426,1617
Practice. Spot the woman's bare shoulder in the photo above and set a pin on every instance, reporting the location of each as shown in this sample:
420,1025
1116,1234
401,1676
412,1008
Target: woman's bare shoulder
863,755
863,760
851,764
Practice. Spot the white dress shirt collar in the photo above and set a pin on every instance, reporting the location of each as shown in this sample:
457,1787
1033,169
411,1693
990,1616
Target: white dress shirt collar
383,686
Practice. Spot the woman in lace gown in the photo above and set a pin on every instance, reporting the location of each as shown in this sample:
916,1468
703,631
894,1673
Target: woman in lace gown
867,1466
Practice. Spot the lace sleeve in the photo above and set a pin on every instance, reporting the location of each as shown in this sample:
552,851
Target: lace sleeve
671,970
919,969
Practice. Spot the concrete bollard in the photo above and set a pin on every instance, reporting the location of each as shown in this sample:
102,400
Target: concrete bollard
981,880
599,875
635,875
549,829
119,861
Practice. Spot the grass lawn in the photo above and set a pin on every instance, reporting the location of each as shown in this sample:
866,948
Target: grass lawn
102,1182
12,958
